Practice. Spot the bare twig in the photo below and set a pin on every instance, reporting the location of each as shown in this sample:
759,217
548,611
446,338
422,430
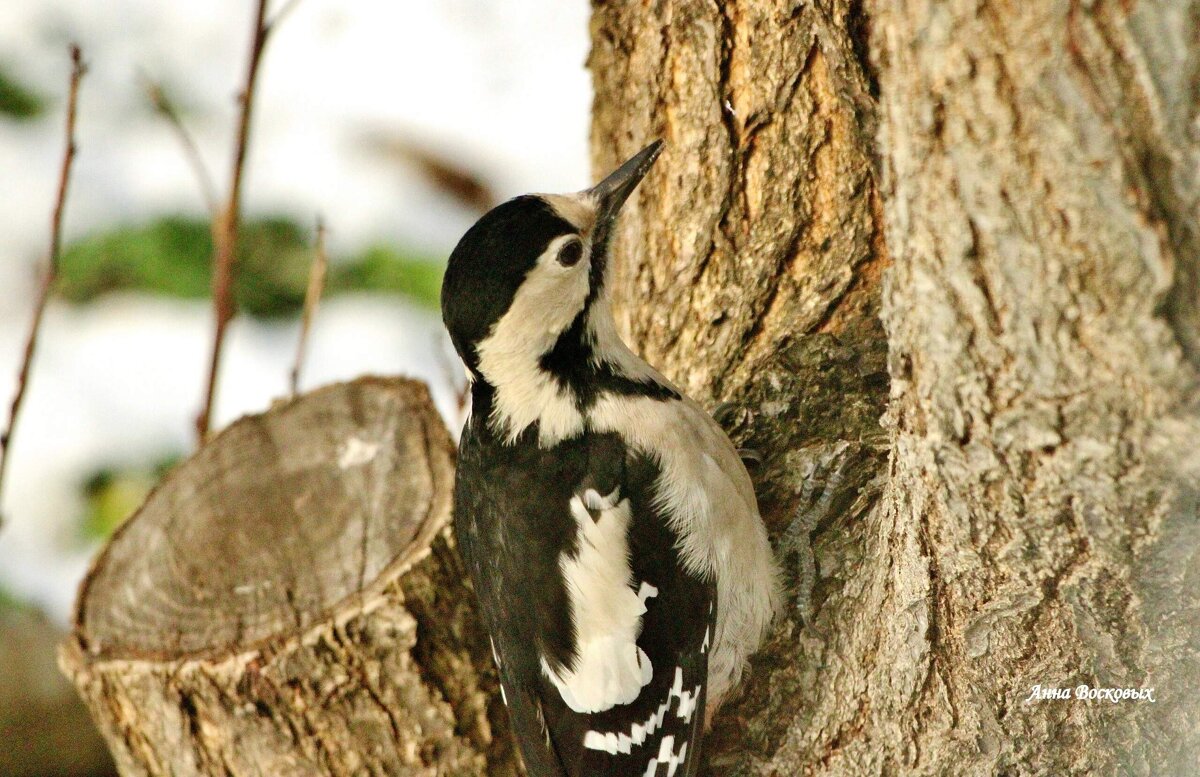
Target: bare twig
283,13
451,176
225,227
312,297
167,109
50,271
453,374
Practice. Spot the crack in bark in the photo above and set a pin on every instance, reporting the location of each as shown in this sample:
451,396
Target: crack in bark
790,252
733,189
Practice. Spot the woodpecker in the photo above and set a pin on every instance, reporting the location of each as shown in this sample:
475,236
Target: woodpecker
609,527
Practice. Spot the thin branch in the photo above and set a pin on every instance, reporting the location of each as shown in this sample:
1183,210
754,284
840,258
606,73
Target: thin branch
312,297
167,109
225,227
453,374
50,272
282,13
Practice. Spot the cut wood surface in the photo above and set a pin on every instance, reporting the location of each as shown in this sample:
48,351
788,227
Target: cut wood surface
288,602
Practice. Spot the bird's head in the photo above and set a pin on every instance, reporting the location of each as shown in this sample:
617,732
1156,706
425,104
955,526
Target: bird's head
523,281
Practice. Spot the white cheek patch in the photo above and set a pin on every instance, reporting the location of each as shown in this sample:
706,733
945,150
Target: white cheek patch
545,305
609,667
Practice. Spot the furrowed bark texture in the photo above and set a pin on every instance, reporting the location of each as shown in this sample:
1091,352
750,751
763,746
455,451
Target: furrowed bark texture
750,272
1041,511
754,222
1026,514
288,602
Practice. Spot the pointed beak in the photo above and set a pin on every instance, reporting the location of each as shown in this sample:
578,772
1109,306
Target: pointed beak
612,192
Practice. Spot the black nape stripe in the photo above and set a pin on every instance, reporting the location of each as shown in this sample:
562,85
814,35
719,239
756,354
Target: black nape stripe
571,361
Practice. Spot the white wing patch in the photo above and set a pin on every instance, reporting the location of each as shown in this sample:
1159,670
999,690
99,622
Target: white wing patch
609,667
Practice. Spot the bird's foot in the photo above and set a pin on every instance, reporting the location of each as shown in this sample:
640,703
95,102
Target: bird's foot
822,478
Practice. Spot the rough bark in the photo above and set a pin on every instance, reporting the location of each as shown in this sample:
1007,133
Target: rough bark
760,220
751,275
1042,501
288,602
1026,513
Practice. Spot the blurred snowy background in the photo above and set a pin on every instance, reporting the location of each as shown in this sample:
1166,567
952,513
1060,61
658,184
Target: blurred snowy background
396,122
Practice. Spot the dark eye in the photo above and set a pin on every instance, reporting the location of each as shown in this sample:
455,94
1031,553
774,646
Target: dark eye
570,254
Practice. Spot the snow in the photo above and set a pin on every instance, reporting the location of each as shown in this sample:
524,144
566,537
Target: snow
498,85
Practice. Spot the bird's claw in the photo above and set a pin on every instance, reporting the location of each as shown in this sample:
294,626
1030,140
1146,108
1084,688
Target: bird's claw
824,472
750,456
723,413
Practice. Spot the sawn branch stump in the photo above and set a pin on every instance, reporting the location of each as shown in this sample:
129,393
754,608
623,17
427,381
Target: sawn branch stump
288,602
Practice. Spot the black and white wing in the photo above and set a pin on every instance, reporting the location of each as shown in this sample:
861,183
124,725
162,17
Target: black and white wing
633,701
601,633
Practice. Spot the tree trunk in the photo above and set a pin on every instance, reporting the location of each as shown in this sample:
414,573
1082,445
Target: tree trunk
288,602
1026,514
